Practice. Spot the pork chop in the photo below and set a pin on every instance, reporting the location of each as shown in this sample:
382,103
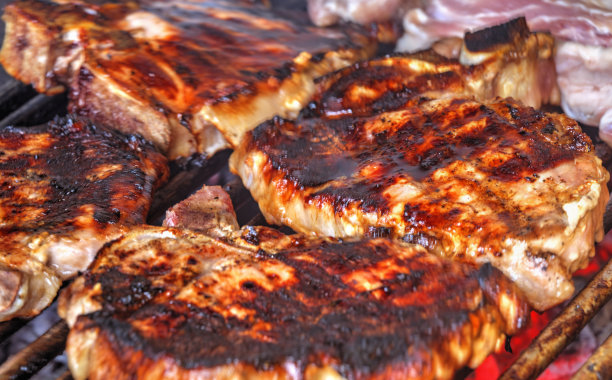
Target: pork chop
483,182
176,72
163,302
502,61
66,188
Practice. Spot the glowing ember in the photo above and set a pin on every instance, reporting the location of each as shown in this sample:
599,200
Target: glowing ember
572,358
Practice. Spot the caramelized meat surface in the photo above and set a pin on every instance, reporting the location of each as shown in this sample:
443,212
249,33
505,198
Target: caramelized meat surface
66,188
176,72
164,302
502,61
494,182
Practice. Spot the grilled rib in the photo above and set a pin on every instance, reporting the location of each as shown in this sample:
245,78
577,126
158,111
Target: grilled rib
175,71
162,302
494,182
66,188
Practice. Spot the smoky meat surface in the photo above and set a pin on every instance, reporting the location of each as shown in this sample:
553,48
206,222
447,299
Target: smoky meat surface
495,182
260,304
66,188
186,75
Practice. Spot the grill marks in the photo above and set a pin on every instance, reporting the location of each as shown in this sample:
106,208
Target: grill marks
363,308
355,159
479,181
56,176
178,73
66,188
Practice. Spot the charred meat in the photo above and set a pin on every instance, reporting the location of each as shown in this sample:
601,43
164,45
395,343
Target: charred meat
175,72
503,61
493,182
168,302
66,188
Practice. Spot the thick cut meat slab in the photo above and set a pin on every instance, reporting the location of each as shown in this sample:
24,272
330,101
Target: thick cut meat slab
493,182
503,61
66,188
162,302
175,71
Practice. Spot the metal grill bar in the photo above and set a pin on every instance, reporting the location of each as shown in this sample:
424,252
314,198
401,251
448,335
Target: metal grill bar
35,110
13,94
35,356
8,328
599,365
563,329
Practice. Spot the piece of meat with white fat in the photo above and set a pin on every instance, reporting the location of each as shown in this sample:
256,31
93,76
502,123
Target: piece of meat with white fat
66,188
262,305
208,210
583,30
494,182
175,72
503,61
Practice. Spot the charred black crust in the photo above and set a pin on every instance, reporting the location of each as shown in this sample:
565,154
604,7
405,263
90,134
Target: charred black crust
329,154
322,315
85,171
487,39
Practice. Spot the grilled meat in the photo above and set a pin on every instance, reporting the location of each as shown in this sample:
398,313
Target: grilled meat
66,188
494,182
175,72
209,210
162,302
582,28
506,61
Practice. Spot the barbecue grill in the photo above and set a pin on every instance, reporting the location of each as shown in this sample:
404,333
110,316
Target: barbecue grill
21,105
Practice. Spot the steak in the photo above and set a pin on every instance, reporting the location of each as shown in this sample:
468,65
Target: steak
66,188
175,72
482,182
165,302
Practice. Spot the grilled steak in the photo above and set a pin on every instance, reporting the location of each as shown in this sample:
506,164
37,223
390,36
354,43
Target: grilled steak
174,71
162,302
494,182
66,188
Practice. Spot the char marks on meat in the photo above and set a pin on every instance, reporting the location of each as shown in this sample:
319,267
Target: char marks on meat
396,147
504,61
66,188
494,182
175,72
259,304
